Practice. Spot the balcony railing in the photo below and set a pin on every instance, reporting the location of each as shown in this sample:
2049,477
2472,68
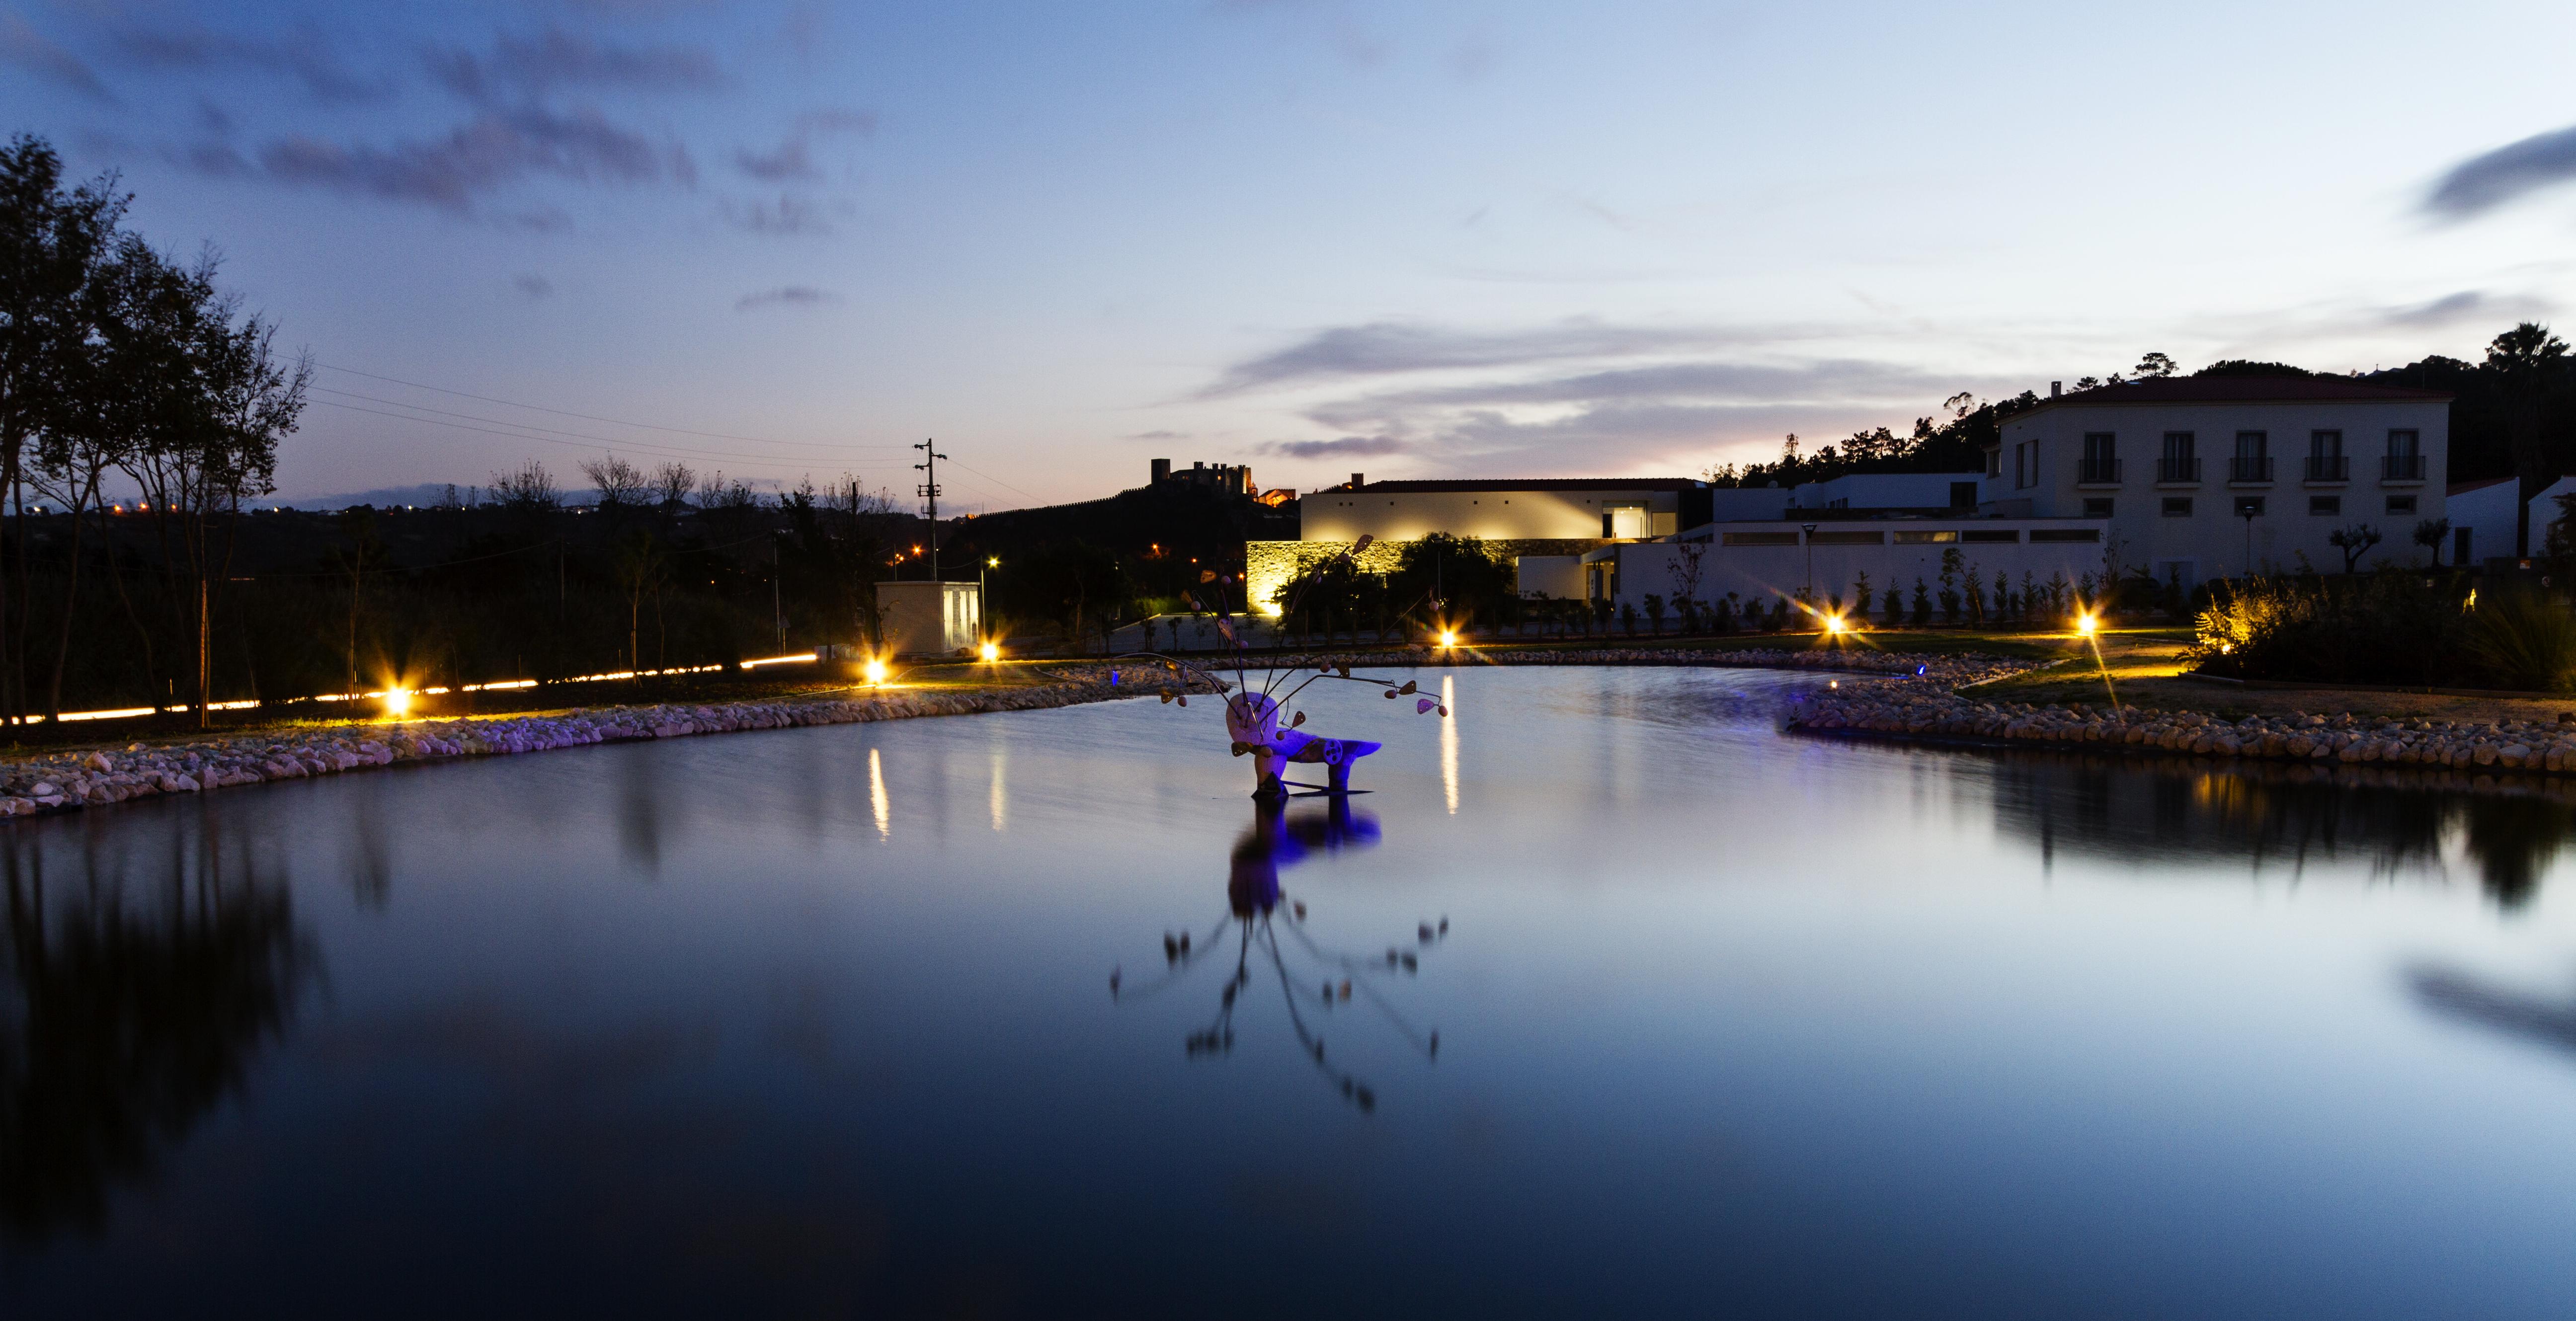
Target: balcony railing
2402,468
2091,471
2178,470
2256,468
2329,468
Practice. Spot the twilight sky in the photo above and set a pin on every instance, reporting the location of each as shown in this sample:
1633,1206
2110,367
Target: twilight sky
1496,239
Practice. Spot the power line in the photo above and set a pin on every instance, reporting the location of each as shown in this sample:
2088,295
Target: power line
587,417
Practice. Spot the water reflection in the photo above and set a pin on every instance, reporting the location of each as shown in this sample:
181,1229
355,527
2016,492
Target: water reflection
2264,814
140,986
2537,1020
1327,980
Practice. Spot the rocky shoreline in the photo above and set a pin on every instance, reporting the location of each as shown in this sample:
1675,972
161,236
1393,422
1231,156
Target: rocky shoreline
72,780
1946,671
1920,709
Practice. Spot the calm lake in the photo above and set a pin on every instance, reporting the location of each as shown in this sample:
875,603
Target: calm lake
820,1023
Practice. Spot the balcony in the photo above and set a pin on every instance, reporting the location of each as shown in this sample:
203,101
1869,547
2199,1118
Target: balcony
2097,472
2329,468
2178,470
2255,468
2402,468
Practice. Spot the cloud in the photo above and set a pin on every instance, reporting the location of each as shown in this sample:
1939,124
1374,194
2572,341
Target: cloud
793,295
2466,305
532,67
533,287
1391,347
1160,435
1340,447
794,156
24,46
491,152
788,215
306,56
2484,182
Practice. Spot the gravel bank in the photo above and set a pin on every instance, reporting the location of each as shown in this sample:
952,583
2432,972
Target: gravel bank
1921,708
69,780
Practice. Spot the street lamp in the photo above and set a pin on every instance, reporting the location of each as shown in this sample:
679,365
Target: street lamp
982,619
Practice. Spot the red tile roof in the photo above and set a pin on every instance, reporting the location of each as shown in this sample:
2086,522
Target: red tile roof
2241,390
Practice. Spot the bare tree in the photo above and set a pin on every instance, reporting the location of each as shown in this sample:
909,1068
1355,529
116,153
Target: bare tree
2354,541
528,488
620,484
672,483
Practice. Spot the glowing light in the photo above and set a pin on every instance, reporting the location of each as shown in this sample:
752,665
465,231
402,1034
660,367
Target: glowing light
1834,624
397,702
2085,624
1448,638
875,672
992,561
991,652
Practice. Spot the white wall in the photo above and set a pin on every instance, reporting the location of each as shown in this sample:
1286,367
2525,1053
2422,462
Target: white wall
929,618
1763,572
1496,515
2211,540
1549,575
1882,490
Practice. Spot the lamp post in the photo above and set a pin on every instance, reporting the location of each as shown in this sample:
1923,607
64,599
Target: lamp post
991,562
1810,530
2246,508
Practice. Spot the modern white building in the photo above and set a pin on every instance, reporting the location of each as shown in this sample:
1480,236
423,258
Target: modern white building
2482,518
1539,509
1890,490
930,618
1827,558
2206,477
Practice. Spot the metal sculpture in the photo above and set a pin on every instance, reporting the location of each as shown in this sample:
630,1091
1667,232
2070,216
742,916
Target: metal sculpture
1252,713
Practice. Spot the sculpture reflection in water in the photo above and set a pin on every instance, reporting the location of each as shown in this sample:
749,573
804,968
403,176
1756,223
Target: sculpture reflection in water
1327,981
2266,815
146,970
2535,1019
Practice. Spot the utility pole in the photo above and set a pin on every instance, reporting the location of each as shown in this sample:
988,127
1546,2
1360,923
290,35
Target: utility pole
929,490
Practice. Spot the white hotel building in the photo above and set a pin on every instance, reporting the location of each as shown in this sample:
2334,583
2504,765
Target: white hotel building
2208,477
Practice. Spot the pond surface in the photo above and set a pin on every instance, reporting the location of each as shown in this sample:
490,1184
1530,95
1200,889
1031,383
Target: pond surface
820,1023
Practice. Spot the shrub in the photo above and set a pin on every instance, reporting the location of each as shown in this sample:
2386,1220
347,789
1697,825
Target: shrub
2389,628
2523,639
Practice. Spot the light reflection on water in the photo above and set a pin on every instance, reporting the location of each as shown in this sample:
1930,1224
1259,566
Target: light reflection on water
876,1019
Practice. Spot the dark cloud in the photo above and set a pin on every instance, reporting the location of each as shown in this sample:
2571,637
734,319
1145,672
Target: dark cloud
2483,182
213,118
532,67
1160,435
788,215
2466,305
1390,347
1340,447
793,295
532,286
794,157
491,152
306,56
24,46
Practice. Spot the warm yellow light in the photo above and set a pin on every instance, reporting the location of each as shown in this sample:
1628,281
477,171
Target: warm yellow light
2085,624
991,652
1833,623
875,671
397,701
993,562
1448,638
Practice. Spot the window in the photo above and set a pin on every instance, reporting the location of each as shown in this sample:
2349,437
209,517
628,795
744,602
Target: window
2401,504
1759,539
1925,538
2098,507
2325,457
2325,504
2038,534
2253,461
1963,495
1991,536
2405,461
2181,461
2177,506
2249,506
2101,458
1847,538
